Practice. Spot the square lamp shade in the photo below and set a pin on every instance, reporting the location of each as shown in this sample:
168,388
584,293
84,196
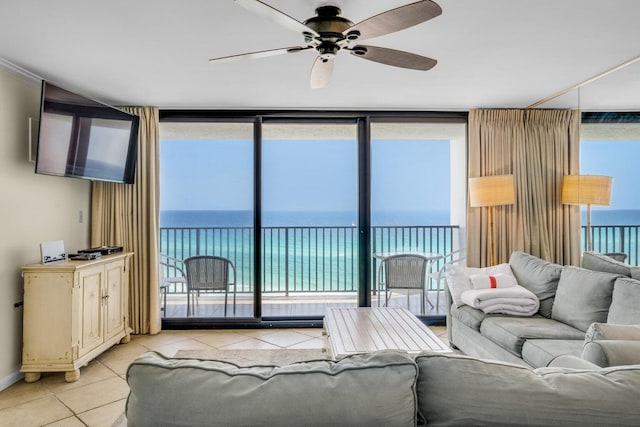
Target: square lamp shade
587,190
491,191
592,190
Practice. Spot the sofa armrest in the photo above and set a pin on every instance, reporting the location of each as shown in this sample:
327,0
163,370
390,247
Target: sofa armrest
612,352
608,331
571,361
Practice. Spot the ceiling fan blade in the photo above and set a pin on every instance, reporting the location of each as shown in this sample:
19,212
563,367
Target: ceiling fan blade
397,58
321,73
395,20
274,15
260,54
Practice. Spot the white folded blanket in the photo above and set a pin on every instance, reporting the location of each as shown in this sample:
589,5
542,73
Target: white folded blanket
514,300
485,281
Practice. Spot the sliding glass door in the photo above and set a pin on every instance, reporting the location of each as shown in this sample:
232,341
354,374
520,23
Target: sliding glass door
309,218
303,208
417,206
206,211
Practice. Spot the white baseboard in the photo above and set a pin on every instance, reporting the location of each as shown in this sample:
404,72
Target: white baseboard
10,379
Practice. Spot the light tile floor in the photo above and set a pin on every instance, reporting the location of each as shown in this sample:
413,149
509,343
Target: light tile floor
98,397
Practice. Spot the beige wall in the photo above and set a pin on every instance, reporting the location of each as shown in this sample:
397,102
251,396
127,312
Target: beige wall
34,208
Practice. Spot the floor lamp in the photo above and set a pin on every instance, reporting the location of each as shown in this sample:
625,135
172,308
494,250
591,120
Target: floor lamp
491,191
590,190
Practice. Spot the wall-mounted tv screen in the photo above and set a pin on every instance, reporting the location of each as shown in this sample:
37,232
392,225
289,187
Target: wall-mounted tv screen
82,138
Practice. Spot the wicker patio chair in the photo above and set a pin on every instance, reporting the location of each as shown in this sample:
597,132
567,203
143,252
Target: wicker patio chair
210,273
404,271
172,273
438,268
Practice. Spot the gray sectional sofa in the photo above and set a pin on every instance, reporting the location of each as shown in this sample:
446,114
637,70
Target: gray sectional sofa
576,362
380,389
588,312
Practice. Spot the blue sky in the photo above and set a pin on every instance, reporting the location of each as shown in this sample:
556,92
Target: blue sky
619,159
307,175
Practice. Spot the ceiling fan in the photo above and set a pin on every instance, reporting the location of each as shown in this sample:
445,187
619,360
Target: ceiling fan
328,33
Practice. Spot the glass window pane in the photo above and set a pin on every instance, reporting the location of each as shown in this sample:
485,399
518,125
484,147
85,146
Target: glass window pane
613,149
309,202
417,206
206,208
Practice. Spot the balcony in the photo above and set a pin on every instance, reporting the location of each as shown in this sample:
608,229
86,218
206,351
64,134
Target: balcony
304,269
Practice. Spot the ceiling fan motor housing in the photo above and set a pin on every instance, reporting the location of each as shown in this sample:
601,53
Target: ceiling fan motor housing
330,25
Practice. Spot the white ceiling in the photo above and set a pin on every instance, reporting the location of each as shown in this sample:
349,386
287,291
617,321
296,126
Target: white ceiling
491,54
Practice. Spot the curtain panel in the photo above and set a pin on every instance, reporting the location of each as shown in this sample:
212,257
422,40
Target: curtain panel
538,147
128,215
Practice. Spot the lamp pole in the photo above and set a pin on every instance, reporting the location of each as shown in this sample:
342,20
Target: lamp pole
491,244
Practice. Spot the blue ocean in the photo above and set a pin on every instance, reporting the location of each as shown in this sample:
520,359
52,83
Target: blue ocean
318,251
302,251
236,218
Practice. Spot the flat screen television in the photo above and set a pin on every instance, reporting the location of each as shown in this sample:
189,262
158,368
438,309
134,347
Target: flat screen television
82,138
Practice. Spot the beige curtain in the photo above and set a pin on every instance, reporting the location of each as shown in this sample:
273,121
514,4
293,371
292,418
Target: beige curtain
128,215
538,147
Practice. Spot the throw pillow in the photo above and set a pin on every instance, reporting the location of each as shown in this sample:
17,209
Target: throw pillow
583,297
459,278
625,302
539,276
601,262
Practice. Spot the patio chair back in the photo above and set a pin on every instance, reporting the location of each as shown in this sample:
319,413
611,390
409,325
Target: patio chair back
405,271
207,272
210,273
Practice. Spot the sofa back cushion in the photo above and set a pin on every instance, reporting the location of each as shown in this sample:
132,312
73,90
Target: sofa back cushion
583,297
461,391
539,276
625,302
369,389
600,262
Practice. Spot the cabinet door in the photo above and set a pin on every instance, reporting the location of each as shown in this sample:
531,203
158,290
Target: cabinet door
114,304
91,302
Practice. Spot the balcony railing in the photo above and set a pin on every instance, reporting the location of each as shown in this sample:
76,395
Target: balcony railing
615,238
325,259
300,259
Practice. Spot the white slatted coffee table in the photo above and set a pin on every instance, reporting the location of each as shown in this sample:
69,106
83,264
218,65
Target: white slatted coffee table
363,330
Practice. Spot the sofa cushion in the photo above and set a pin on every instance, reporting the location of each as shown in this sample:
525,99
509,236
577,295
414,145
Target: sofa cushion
369,389
625,302
461,391
539,276
583,297
510,332
458,278
600,262
472,317
539,353
635,272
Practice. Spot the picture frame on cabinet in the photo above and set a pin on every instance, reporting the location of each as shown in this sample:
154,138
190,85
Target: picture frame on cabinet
52,251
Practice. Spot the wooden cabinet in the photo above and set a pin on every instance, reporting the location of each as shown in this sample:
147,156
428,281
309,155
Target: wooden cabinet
73,311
